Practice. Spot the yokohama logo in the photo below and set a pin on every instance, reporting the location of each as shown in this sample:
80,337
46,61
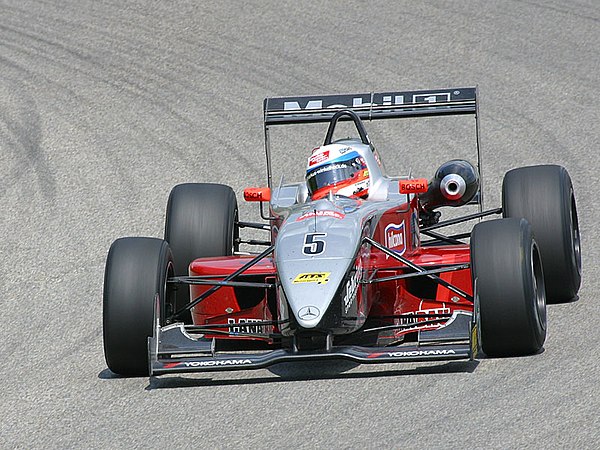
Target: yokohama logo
224,362
421,353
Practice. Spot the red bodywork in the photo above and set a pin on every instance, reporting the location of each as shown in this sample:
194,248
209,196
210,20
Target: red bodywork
410,296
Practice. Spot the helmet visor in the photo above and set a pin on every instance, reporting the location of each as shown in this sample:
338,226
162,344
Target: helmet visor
334,173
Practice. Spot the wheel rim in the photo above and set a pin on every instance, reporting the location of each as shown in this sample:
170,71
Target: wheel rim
168,307
236,234
539,289
575,238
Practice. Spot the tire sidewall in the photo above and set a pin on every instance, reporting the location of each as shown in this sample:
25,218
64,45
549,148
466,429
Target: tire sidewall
136,272
544,196
502,271
200,222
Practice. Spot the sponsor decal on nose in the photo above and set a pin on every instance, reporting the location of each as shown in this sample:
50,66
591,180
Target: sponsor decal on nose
312,277
320,213
309,312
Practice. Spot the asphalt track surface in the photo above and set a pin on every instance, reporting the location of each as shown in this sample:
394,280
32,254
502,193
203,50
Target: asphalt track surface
105,105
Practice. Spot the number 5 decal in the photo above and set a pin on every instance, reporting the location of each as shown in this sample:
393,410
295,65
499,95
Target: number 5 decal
312,244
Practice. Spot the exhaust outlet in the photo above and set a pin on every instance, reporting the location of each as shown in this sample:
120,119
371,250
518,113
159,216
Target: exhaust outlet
455,183
453,186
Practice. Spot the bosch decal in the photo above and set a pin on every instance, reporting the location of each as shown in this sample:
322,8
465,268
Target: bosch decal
415,186
257,194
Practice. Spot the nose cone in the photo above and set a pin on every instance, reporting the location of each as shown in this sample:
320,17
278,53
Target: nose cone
314,250
310,286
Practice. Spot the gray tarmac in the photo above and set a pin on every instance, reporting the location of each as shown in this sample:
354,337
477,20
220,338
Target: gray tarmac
106,105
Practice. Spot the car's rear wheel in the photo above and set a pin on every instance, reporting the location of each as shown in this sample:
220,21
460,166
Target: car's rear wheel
136,273
201,221
544,196
509,287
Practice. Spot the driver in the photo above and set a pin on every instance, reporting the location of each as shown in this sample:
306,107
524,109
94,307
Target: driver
338,169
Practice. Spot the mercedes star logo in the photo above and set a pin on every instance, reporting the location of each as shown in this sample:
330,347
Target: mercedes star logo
309,312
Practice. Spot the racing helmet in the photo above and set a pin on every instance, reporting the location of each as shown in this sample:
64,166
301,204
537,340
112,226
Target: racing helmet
339,169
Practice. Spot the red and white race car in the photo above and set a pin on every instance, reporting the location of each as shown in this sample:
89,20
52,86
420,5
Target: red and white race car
354,266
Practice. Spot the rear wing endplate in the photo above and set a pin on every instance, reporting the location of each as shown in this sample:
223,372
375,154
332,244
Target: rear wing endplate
370,106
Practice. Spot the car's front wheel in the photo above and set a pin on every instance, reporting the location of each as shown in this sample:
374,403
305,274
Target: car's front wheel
136,273
509,287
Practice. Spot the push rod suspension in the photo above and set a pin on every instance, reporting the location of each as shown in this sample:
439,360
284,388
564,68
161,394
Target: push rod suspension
418,268
230,277
462,219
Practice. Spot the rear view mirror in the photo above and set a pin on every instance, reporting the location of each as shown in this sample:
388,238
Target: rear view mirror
259,194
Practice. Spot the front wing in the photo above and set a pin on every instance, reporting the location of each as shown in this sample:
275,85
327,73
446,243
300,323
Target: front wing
173,350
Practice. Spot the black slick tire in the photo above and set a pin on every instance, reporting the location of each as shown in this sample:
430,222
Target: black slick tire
136,271
544,196
200,222
509,287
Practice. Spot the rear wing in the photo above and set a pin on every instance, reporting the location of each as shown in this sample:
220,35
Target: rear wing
373,106
370,106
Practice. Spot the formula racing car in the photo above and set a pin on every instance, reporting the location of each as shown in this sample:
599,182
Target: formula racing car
355,266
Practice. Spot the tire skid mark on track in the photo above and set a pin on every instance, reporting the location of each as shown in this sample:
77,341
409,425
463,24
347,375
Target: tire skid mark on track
126,82
20,131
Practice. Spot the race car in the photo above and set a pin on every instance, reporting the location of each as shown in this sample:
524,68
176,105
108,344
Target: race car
354,267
